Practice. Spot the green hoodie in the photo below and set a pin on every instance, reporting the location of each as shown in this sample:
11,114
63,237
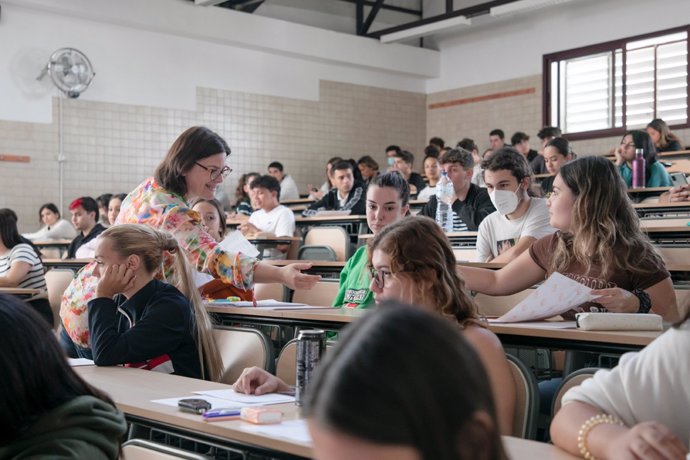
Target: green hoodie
85,428
354,282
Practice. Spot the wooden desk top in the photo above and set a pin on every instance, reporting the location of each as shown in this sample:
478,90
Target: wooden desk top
649,190
314,263
19,291
133,389
48,243
334,219
679,224
298,201
542,329
675,204
669,228
674,153
64,262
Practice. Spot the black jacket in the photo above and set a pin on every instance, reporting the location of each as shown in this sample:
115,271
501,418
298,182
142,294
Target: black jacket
472,211
356,201
80,239
162,323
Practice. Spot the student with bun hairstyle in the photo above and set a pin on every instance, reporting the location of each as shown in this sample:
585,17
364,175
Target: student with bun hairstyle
142,322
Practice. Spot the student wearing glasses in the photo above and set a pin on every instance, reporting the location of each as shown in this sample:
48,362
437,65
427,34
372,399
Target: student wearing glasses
193,168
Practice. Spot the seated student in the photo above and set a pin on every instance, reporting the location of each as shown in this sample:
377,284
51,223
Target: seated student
411,260
346,194
243,201
20,265
54,227
436,405
469,145
472,203
271,217
318,193
680,193
432,171
664,140
212,217
391,150
368,168
387,202
557,152
599,244
547,133
46,409
103,202
114,207
519,220
520,143
84,212
288,187
639,409
139,321
437,142
403,163
655,174
497,139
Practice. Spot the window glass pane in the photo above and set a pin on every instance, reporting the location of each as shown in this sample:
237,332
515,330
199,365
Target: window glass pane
618,83
671,82
639,89
588,92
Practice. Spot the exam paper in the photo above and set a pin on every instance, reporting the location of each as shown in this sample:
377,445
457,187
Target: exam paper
74,362
216,403
235,397
293,430
556,295
268,304
235,242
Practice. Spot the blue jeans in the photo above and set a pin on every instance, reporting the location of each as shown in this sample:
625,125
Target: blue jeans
71,349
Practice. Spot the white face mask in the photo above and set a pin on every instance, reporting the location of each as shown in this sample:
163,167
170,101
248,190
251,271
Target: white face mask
505,201
390,161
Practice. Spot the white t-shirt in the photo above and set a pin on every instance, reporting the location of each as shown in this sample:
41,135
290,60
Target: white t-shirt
651,384
426,193
288,189
477,177
61,230
280,221
22,252
497,233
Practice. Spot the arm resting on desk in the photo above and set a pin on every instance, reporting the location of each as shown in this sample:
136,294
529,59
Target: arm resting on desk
17,272
517,276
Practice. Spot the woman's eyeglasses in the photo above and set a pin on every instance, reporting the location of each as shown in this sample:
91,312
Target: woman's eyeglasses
379,277
214,172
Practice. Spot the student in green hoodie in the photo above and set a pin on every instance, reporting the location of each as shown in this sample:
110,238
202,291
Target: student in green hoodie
46,409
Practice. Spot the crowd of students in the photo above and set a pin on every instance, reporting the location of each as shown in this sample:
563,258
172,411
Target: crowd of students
138,303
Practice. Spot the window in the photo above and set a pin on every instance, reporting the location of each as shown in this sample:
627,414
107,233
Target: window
606,89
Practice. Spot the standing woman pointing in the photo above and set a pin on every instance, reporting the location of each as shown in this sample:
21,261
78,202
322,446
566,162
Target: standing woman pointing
193,168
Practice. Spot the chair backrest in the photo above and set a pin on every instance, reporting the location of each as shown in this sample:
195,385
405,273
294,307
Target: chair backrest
334,237
265,291
242,347
489,305
51,253
571,380
682,301
315,252
57,281
285,364
465,254
526,400
142,449
322,294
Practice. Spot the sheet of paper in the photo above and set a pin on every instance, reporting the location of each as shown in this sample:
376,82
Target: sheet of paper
236,242
216,403
544,324
269,304
201,278
556,295
234,397
294,430
74,362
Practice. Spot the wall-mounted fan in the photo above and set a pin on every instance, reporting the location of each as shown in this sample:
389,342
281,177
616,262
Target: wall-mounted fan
70,70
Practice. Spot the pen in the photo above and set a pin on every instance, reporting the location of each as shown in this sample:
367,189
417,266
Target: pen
221,414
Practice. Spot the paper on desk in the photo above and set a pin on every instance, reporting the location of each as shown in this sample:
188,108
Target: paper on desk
235,242
268,304
74,362
556,295
216,403
235,397
543,324
293,430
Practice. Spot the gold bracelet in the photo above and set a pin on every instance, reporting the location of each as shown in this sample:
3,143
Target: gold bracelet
587,427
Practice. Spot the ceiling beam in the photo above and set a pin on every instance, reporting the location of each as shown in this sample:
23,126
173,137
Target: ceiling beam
372,15
399,9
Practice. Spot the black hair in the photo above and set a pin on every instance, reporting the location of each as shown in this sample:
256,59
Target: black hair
345,164
549,131
497,132
437,141
468,144
393,179
50,207
270,183
518,137
394,148
509,159
431,151
276,164
561,144
194,144
104,199
643,140
460,156
347,394
36,377
87,203
405,156
368,161
8,228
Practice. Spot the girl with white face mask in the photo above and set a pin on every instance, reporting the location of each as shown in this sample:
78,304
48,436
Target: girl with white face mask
519,219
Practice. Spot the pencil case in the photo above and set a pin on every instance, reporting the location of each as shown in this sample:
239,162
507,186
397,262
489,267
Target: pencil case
618,322
261,415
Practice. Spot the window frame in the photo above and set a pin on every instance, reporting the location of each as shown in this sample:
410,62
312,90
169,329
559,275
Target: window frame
610,47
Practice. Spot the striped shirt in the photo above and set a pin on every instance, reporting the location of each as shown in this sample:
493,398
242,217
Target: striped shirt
35,278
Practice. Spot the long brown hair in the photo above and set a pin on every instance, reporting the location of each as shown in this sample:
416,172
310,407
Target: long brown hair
195,144
151,245
666,136
420,250
604,229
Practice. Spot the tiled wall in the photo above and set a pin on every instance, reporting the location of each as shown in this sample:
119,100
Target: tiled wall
112,147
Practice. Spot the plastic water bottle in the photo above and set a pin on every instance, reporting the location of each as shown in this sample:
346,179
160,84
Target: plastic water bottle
444,199
639,166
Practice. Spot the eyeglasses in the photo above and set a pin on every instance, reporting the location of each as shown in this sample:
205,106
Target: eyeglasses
379,276
214,172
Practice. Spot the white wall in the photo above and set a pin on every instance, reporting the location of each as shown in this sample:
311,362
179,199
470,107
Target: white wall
158,52
500,49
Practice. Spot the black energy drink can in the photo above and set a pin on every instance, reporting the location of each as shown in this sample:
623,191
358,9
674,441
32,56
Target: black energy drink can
311,344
